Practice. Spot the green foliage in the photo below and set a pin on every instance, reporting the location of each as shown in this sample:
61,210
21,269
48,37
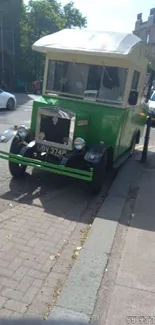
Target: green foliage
22,26
39,18
10,17
72,16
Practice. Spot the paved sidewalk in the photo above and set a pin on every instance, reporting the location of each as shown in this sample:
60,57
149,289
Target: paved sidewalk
80,291
113,276
127,294
37,250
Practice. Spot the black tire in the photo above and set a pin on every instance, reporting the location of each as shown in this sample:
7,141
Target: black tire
133,146
10,104
99,175
16,170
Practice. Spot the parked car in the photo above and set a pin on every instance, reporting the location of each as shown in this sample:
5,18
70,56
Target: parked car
7,100
151,110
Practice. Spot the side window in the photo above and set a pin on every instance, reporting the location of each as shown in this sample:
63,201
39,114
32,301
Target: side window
94,77
113,84
60,76
50,76
135,80
145,88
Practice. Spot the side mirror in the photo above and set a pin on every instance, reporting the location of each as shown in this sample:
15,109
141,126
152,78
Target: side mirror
133,97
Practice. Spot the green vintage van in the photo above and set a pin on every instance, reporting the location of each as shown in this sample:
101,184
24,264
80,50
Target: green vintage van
91,113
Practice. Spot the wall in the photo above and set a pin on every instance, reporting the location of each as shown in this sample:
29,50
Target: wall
146,30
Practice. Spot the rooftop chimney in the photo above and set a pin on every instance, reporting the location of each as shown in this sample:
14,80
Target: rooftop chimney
152,11
139,16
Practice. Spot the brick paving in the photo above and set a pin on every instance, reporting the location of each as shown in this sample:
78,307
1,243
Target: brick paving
37,250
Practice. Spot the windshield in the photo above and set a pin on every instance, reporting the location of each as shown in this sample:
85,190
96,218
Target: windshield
153,97
91,82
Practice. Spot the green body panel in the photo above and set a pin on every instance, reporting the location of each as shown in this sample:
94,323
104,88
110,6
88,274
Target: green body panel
134,119
112,125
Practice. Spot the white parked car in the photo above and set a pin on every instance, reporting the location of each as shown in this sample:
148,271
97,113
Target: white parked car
151,104
7,100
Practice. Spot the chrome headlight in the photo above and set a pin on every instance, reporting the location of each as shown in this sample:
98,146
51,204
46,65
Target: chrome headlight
22,131
79,143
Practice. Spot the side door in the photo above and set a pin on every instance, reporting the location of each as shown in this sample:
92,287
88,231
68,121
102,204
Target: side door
129,123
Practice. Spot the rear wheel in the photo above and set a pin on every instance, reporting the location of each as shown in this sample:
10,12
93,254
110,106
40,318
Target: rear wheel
99,175
10,104
133,146
16,170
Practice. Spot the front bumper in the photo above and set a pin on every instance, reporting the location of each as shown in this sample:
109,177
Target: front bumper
53,168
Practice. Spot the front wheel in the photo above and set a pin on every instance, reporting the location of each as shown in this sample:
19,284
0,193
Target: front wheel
99,175
16,170
10,104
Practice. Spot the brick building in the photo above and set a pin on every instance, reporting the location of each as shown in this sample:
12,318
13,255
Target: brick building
146,29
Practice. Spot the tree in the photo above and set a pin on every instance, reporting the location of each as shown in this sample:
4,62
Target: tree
10,38
42,17
28,24
73,16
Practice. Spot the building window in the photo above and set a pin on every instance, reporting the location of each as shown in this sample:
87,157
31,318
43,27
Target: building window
135,80
148,37
139,16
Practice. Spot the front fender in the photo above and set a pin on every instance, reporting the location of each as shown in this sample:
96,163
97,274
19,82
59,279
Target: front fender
94,154
8,134
73,157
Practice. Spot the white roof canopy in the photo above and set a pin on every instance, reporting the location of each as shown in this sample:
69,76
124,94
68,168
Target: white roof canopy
85,41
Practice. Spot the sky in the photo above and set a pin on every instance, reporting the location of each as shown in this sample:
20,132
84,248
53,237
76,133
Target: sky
112,15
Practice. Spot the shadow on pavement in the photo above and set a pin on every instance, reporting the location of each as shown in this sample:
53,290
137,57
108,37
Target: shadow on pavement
65,197
134,185
143,206
57,195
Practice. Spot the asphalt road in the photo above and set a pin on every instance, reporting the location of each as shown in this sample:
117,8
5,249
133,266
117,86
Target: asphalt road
21,115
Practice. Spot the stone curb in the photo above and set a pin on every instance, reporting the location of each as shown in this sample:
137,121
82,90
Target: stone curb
78,296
